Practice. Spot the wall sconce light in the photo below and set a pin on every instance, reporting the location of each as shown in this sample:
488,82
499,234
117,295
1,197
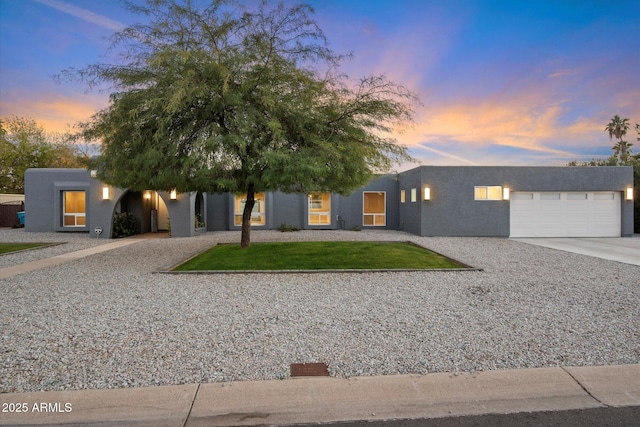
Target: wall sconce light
629,193
506,193
173,195
147,195
105,193
426,193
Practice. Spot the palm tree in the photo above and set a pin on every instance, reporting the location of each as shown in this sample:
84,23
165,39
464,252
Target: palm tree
618,127
622,148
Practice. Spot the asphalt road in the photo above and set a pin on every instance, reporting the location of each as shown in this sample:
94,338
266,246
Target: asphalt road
628,416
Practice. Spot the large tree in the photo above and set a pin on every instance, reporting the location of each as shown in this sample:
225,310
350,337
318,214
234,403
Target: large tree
25,144
214,97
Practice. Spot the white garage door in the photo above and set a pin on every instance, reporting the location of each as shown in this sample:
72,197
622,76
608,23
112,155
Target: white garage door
565,214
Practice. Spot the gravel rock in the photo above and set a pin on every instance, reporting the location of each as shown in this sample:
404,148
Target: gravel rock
110,320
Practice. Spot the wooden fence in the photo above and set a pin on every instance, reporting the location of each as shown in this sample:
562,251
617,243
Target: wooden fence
9,213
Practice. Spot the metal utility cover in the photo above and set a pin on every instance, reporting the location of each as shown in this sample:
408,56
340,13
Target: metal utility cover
309,370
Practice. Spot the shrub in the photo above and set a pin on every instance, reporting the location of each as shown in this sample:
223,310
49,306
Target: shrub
124,224
198,222
287,228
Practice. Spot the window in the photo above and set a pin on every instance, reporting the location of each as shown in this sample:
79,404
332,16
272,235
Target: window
403,196
414,195
74,211
577,196
604,196
374,208
319,209
257,214
522,196
549,196
493,192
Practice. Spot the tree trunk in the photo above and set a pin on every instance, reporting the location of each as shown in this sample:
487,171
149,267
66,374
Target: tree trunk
245,239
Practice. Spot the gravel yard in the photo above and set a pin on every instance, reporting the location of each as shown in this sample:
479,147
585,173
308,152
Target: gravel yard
111,320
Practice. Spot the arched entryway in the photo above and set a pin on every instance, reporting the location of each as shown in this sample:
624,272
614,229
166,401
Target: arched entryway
148,209
199,211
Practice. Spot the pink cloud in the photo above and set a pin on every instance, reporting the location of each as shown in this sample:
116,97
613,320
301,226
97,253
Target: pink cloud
53,111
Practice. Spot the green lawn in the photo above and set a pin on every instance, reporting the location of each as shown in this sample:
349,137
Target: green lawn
318,256
12,247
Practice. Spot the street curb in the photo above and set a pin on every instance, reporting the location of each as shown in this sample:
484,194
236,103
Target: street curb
325,400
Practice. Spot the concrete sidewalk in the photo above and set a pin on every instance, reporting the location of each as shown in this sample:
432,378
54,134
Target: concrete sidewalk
61,259
324,400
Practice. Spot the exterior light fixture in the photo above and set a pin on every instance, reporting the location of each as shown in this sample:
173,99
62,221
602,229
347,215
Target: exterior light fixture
105,193
173,195
426,193
629,193
147,195
506,193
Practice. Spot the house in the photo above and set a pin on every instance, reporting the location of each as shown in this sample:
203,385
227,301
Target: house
490,201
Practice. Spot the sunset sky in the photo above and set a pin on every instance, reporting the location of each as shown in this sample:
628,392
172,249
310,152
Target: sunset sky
501,82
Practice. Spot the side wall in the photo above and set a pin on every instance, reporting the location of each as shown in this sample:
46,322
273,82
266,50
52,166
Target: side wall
293,209
182,213
43,204
452,210
99,211
43,197
410,211
351,207
217,212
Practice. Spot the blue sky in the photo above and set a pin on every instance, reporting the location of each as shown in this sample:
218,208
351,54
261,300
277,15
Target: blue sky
501,82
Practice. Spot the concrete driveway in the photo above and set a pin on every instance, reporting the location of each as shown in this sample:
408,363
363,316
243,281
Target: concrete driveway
621,249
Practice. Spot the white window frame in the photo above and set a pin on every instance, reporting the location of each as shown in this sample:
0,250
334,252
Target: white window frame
74,215
257,213
497,189
319,212
375,216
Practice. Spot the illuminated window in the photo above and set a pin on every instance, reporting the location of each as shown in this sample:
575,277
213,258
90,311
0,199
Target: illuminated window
257,213
414,195
488,193
319,209
74,211
403,196
374,209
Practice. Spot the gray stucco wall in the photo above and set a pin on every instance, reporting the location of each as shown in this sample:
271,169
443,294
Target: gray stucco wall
410,212
351,207
293,209
218,212
101,211
43,204
286,209
452,210
280,208
182,212
43,200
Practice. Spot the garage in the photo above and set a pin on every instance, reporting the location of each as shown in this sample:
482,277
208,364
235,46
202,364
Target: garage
565,214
